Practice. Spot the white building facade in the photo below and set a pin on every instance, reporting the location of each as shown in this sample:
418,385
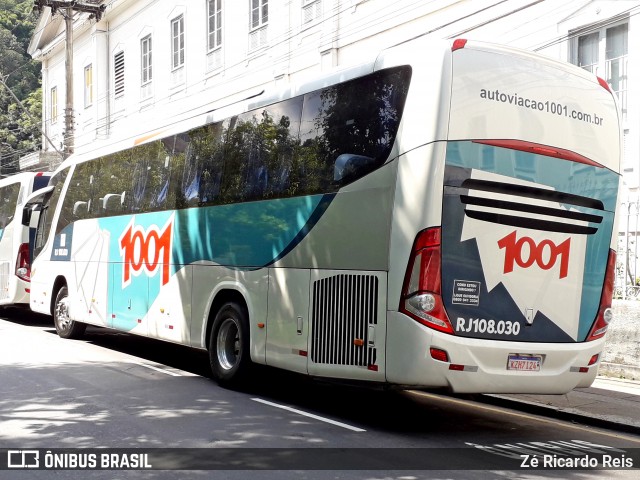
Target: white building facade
146,63
149,61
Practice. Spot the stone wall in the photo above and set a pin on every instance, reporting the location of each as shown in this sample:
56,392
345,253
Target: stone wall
621,355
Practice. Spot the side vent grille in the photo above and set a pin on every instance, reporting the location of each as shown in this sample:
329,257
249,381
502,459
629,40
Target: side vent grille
344,307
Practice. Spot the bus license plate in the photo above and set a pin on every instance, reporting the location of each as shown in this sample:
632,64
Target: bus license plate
524,363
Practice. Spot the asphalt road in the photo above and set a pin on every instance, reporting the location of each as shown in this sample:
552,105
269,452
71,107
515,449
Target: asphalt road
113,390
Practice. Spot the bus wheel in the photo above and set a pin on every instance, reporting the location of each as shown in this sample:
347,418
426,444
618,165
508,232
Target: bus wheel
65,327
229,345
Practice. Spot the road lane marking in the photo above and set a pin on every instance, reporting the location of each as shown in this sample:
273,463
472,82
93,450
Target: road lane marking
157,369
310,415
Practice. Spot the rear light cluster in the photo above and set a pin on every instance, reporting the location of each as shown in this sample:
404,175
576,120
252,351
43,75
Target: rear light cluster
539,149
594,359
23,263
421,293
605,314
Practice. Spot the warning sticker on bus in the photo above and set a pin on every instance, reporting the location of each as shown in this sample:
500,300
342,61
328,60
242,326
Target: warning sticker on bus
466,292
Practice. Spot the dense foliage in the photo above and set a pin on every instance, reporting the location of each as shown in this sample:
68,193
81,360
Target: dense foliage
19,132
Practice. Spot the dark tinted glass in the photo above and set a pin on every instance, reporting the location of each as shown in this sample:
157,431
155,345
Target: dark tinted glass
310,144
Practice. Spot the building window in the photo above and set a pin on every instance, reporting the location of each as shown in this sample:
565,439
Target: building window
311,10
54,104
259,13
214,29
259,18
118,63
177,42
146,60
88,86
616,62
588,52
604,52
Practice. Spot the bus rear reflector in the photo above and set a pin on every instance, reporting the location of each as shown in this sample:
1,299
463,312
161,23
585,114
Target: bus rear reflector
439,354
605,313
23,263
421,294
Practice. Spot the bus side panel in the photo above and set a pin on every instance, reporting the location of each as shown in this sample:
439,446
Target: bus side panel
13,190
209,281
288,319
89,250
7,287
351,231
417,205
170,313
128,308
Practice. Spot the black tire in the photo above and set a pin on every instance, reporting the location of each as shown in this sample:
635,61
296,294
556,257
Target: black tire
65,327
229,345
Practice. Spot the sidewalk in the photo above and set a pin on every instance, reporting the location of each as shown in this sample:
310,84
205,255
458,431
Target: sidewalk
608,402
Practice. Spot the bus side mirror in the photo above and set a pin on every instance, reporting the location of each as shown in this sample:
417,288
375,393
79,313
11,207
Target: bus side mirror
350,166
30,214
26,215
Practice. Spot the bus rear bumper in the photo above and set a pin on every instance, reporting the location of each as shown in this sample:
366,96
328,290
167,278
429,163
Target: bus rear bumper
481,365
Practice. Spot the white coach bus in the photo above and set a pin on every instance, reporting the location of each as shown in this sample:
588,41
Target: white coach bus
15,254
441,217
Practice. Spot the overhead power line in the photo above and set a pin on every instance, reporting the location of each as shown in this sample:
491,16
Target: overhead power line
67,9
93,9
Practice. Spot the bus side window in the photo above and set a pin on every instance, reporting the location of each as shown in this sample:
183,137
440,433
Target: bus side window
349,129
8,203
77,201
260,152
57,181
207,162
113,181
141,169
166,193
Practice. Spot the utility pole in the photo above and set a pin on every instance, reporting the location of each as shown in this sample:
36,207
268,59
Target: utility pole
67,9
68,66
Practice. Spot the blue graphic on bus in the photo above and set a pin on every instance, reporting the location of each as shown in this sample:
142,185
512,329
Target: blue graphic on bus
513,218
153,247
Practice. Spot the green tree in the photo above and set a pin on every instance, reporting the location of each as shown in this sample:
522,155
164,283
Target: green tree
19,129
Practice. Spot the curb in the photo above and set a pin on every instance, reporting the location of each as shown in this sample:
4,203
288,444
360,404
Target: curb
566,414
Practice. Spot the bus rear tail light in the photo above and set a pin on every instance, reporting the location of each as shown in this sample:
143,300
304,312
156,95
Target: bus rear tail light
458,43
421,293
23,263
605,314
538,149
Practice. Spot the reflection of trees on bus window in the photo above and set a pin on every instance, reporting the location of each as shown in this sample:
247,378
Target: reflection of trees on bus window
310,144
205,162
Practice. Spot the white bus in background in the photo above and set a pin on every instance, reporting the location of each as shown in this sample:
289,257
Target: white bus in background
442,216
15,258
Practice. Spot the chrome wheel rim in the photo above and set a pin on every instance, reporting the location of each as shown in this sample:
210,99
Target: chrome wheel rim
62,315
228,344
